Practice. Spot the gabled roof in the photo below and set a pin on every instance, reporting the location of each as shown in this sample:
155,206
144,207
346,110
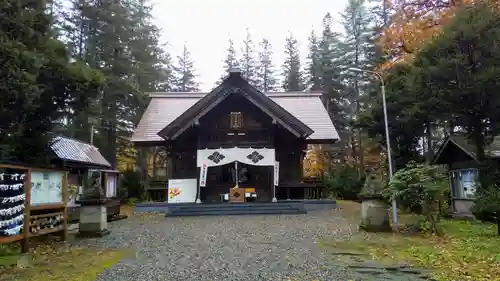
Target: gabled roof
468,147
164,108
72,150
234,83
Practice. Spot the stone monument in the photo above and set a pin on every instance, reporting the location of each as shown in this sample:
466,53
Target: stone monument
93,211
374,207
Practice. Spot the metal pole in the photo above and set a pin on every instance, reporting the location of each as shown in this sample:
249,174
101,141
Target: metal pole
389,154
387,138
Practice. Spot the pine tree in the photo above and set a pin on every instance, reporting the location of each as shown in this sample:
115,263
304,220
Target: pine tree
39,84
313,64
119,39
247,62
355,20
231,60
184,73
330,54
292,71
265,80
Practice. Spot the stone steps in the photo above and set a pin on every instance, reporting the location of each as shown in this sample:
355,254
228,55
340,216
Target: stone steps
224,209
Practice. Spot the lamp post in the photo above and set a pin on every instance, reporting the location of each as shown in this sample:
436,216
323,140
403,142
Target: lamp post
387,138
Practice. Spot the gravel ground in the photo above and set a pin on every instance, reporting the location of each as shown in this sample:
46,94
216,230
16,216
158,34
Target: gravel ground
226,248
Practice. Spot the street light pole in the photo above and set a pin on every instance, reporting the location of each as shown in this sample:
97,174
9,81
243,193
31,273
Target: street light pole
387,137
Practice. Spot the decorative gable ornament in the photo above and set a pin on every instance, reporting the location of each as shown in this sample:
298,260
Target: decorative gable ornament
223,156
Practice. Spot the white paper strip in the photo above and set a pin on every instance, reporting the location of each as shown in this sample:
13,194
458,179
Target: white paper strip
13,199
276,173
223,156
12,210
5,187
14,231
14,177
15,220
203,175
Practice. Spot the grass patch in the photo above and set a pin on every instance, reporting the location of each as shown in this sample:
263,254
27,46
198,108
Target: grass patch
50,264
468,251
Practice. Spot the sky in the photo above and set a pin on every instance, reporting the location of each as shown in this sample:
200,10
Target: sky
205,26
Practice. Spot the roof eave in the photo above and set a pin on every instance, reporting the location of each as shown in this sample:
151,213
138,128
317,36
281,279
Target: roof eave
87,164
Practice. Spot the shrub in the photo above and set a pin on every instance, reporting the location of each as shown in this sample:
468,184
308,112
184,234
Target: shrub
344,183
422,187
487,204
130,185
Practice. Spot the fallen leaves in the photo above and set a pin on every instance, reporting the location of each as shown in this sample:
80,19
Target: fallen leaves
48,263
469,251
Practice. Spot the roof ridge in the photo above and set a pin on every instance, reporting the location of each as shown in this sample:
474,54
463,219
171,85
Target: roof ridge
76,140
202,94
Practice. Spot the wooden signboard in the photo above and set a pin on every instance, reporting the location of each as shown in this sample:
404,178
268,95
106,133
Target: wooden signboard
25,211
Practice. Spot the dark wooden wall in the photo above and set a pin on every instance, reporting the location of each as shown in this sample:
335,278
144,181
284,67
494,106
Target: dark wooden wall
258,130
215,130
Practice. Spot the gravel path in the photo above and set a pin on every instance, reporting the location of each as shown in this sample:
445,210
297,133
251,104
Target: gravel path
226,248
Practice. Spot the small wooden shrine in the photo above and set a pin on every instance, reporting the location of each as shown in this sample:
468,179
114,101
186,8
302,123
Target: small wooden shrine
86,167
459,154
236,143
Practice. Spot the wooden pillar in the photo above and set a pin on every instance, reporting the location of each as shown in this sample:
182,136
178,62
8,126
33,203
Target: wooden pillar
27,211
65,195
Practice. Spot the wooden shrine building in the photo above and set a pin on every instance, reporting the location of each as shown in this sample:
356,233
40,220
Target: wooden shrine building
235,136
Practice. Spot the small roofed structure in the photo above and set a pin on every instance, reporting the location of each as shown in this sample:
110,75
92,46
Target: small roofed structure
75,153
235,136
84,161
459,154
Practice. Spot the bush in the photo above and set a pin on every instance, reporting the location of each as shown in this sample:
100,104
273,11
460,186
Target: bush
487,203
420,187
130,185
344,183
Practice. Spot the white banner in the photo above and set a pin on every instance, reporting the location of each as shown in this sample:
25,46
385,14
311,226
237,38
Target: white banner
276,173
203,175
223,156
182,190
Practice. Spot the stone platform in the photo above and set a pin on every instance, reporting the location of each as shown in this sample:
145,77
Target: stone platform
223,209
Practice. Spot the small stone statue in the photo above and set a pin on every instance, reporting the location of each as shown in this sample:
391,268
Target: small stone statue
95,189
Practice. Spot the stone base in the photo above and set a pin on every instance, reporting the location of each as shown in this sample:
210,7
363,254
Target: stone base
374,216
93,219
92,234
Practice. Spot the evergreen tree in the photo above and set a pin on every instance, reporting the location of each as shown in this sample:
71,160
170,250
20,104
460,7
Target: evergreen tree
314,64
39,83
119,39
380,18
292,71
184,73
231,60
332,86
330,54
247,63
355,20
265,80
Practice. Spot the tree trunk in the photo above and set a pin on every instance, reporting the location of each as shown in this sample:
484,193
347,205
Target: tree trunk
361,152
430,151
